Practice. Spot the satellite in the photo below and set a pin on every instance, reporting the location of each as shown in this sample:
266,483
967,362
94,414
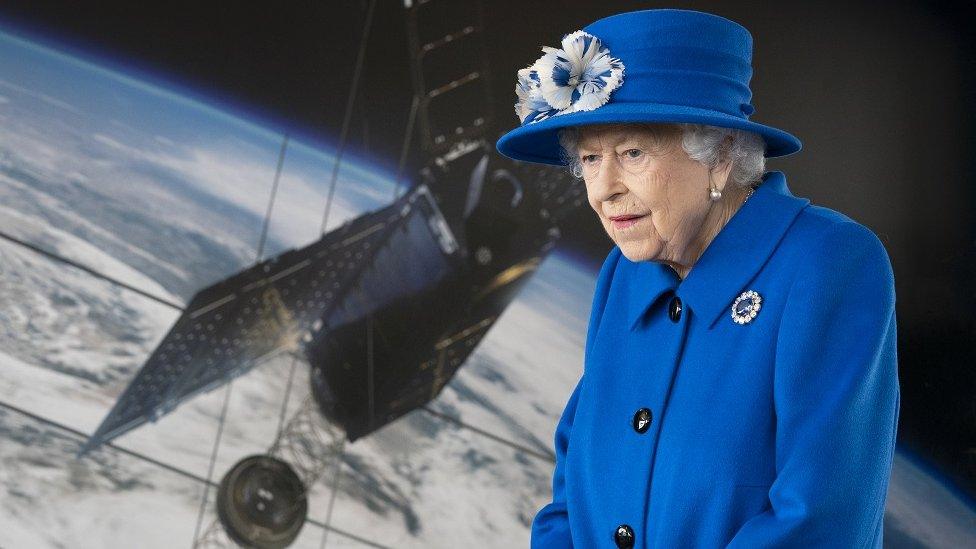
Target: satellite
386,308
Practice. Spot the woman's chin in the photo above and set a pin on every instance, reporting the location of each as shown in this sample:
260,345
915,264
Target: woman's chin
637,251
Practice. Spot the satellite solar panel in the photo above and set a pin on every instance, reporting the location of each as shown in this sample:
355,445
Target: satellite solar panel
237,323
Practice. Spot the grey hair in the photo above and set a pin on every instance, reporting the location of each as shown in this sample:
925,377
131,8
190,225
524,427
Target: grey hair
702,142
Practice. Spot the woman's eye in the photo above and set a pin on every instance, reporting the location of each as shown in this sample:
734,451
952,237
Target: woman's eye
587,158
633,153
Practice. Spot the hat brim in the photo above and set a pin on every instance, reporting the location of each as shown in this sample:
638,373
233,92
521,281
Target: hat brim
538,141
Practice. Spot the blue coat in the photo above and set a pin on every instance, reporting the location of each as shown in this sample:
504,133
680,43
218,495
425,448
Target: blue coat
775,432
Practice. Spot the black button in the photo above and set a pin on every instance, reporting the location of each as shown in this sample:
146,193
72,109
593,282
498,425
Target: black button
642,420
624,536
674,310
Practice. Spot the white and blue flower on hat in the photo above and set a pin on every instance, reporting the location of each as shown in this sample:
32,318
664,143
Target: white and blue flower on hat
531,105
578,77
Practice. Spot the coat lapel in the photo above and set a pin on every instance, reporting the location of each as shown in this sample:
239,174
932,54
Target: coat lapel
740,249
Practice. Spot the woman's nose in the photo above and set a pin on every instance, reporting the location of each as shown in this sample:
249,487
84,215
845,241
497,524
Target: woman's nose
608,182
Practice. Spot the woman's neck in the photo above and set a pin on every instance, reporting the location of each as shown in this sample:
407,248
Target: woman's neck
718,215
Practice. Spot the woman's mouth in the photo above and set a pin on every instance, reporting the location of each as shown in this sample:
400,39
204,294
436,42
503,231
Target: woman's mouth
624,221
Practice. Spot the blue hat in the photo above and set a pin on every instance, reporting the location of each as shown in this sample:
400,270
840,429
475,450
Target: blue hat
660,65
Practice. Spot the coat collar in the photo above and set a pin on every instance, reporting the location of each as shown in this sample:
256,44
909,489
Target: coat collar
729,262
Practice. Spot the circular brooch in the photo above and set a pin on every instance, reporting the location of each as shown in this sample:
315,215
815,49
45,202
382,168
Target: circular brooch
746,306
577,77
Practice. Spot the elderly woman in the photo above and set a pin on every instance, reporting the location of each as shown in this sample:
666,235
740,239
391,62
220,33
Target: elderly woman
740,379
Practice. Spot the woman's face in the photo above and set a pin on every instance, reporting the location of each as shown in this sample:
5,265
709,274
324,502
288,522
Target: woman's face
644,171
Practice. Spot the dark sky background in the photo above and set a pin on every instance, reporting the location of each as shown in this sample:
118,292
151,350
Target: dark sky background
881,95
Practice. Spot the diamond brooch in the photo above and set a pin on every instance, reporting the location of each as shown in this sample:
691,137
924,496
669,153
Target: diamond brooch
746,306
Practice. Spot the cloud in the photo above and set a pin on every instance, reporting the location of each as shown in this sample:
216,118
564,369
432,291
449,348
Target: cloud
236,169
237,174
42,96
108,141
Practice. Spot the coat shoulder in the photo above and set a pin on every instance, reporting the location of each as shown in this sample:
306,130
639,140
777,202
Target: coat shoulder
826,234
830,245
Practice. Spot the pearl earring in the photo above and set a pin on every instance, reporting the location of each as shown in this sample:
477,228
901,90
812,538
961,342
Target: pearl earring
713,193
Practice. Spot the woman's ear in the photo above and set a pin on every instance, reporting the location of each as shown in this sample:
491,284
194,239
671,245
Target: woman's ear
720,173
